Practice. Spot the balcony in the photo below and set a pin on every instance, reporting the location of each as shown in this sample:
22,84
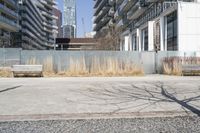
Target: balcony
9,24
152,1
111,12
167,5
100,6
118,2
39,33
102,23
125,6
8,11
97,3
135,11
12,3
48,30
102,13
120,23
4,36
46,4
111,2
34,16
30,41
33,36
93,26
155,10
35,23
117,15
51,27
55,27
111,23
51,2
49,15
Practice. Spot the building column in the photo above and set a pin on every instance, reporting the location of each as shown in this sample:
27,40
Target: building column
130,42
162,34
121,44
126,43
151,35
138,34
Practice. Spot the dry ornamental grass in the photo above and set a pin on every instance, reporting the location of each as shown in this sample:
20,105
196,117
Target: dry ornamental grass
78,67
5,72
173,65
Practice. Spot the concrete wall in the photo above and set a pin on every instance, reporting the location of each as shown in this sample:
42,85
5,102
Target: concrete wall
188,26
61,59
151,62
9,56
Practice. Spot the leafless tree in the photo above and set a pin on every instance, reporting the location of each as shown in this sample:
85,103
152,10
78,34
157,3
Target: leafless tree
110,39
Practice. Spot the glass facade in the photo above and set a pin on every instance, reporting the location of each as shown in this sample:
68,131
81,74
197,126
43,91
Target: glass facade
172,32
134,42
69,24
145,37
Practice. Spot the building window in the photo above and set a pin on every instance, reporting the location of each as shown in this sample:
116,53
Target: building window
134,42
123,45
157,36
145,37
172,32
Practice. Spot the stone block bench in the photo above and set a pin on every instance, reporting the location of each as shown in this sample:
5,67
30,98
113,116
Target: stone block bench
27,70
191,70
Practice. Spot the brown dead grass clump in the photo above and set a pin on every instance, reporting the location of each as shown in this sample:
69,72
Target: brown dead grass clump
107,67
78,67
173,65
5,72
48,67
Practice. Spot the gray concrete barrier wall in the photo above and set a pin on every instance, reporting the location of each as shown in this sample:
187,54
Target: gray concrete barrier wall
151,62
61,59
9,56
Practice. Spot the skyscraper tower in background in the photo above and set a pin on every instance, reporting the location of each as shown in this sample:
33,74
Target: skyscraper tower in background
69,24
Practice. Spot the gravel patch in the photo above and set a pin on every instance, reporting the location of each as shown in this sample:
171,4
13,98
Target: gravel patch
184,124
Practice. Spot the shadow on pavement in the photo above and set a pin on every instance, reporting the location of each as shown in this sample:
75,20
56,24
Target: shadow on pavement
130,96
183,103
9,89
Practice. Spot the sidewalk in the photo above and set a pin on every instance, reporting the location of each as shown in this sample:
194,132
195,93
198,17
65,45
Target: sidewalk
123,97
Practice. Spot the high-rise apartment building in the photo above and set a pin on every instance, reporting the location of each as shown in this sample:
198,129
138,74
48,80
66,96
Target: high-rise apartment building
49,19
152,25
58,14
8,21
38,24
103,16
69,15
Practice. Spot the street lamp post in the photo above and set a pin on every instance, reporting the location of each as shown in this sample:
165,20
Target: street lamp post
54,35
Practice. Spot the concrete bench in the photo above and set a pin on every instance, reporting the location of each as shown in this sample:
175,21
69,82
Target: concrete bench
27,70
191,70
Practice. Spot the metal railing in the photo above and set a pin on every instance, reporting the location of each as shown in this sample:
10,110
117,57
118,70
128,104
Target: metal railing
8,21
8,10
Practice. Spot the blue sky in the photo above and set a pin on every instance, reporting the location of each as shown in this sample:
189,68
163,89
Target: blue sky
84,10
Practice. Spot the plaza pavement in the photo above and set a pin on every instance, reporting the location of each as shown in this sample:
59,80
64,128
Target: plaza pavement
98,97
